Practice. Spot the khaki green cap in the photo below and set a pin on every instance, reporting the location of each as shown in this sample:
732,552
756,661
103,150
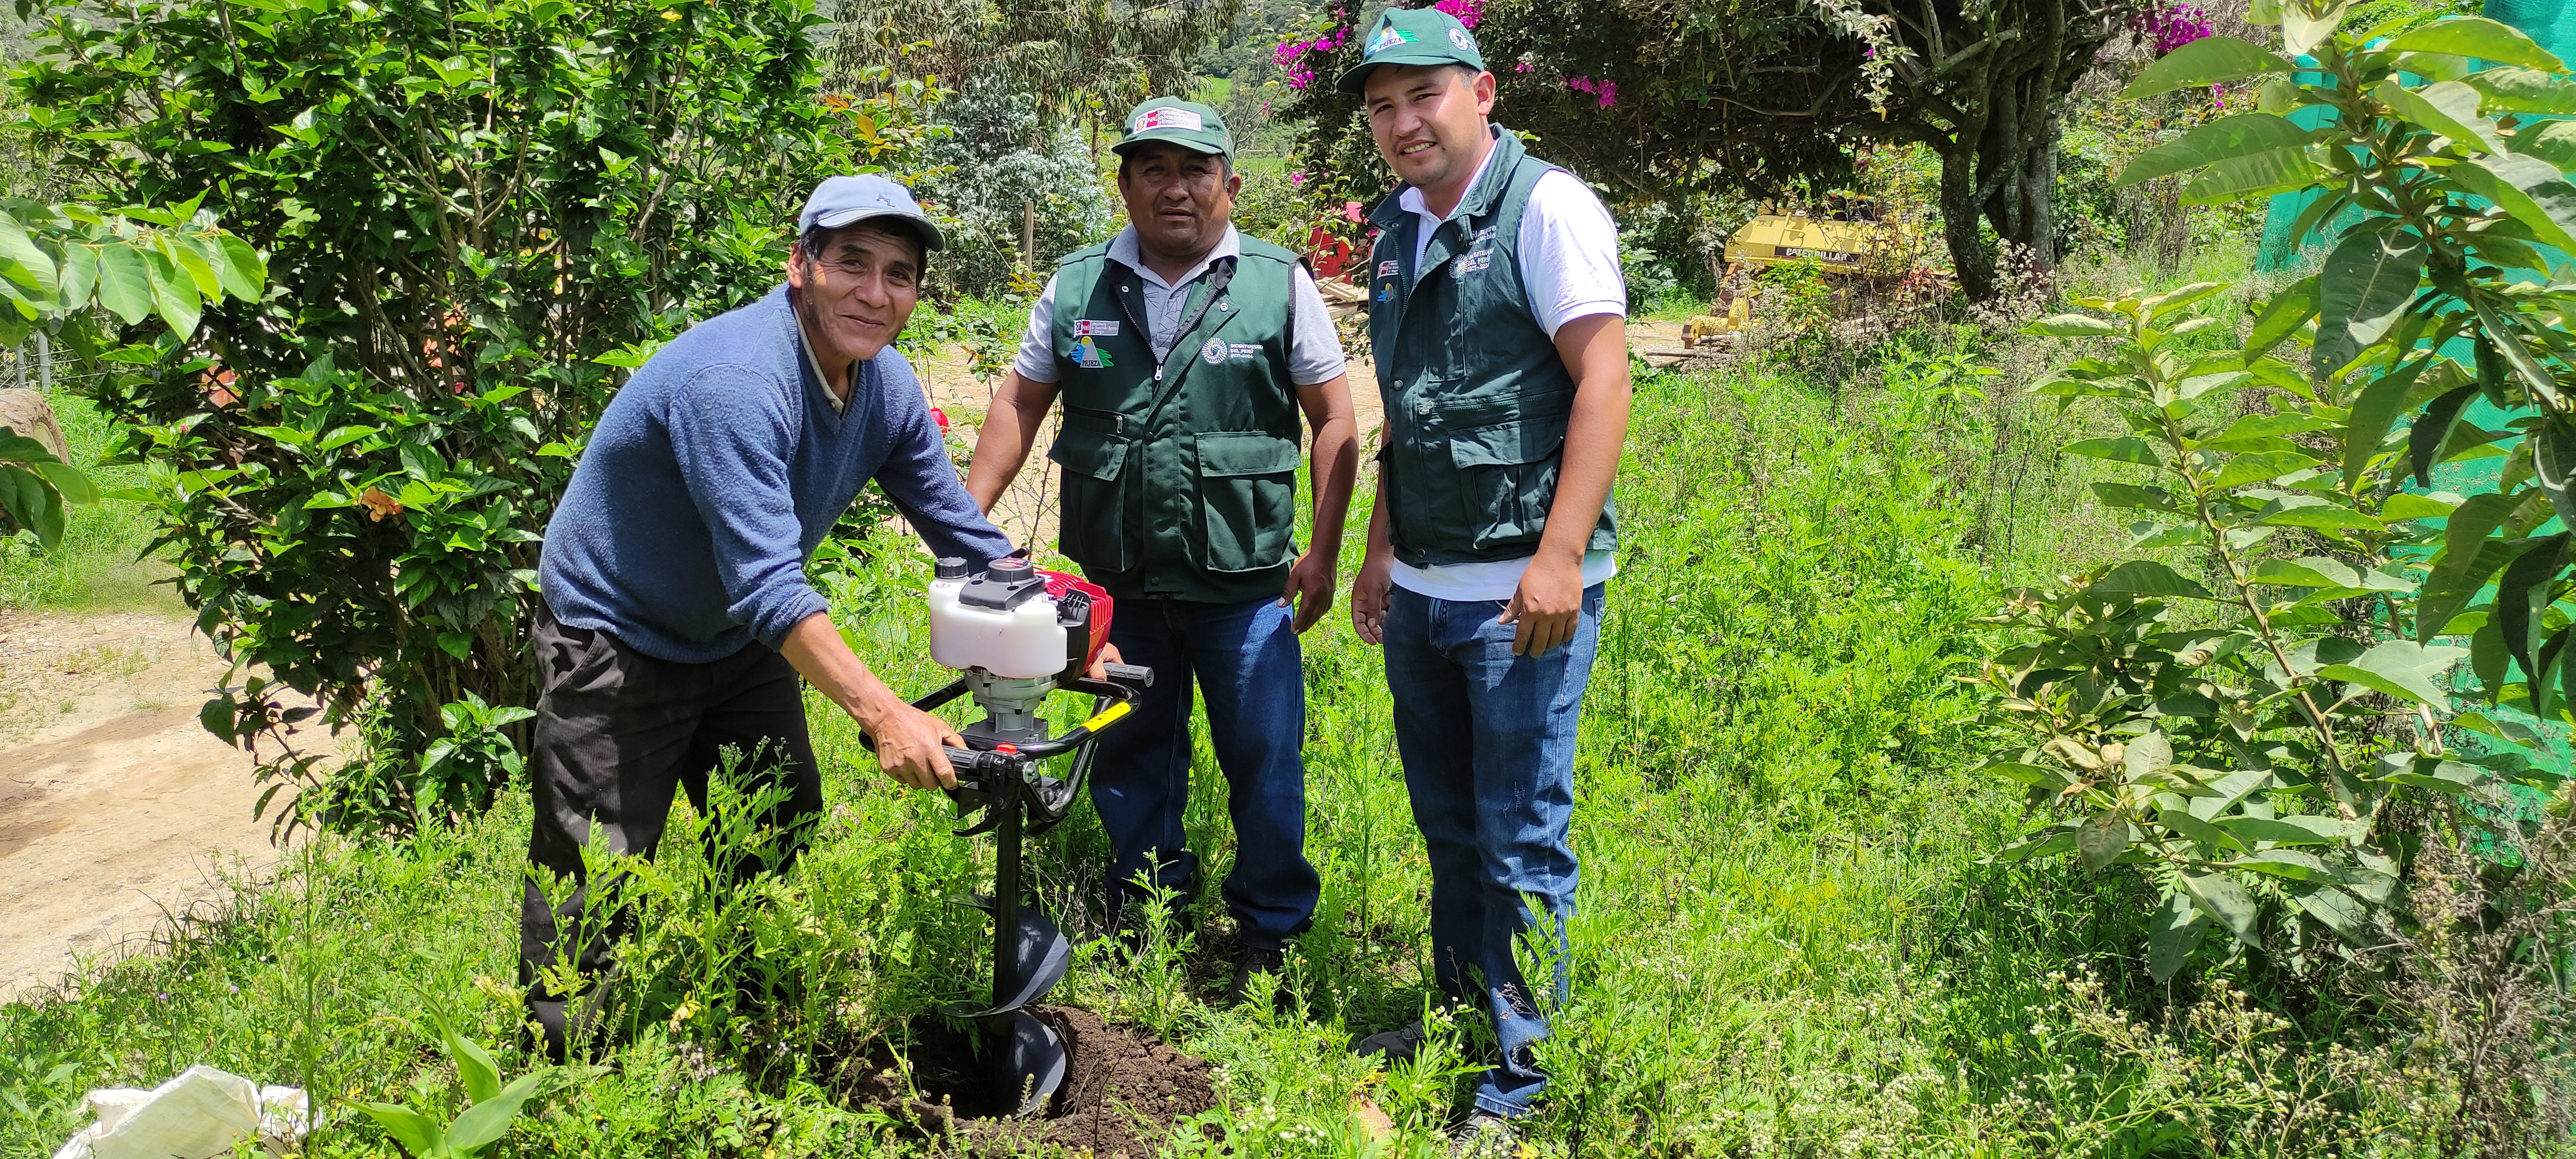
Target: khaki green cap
1184,123
1412,36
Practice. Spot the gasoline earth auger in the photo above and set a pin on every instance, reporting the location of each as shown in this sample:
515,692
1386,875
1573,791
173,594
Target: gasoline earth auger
1019,634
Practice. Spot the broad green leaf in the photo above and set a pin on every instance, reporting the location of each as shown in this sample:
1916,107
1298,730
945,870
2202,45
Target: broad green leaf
2145,577
2554,142
2401,668
2306,24
2480,37
474,1065
242,272
2313,512
2367,281
2283,315
22,261
32,503
2298,830
2336,909
418,1133
2205,61
124,282
2148,754
2439,775
79,281
2448,108
2134,496
191,258
2409,505
2314,571
2258,467
2254,175
174,294
2239,136
75,487
2073,326
2524,90
2239,434
2208,836
485,1122
2035,776
2522,596
2289,863
2224,901
2424,439
2102,839
2173,935
2374,410
2160,305
2130,450
2533,191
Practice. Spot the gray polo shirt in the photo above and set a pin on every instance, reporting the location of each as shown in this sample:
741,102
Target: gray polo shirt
1315,355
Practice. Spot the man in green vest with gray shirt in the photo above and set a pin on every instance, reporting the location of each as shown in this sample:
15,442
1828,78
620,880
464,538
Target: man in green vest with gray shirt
1185,354
1497,312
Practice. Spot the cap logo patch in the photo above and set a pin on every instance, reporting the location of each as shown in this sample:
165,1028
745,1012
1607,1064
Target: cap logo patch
1458,37
1169,118
1387,38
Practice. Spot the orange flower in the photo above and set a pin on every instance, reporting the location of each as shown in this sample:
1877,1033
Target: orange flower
379,505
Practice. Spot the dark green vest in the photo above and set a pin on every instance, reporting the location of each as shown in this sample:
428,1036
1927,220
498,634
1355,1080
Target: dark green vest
1180,479
1477,400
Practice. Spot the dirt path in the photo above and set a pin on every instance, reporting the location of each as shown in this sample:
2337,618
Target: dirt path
116,808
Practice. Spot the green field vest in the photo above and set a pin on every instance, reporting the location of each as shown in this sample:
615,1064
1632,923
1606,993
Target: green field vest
1477,400
1180,479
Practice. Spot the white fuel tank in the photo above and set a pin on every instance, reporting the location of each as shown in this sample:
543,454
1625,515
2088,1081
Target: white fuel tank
1002,621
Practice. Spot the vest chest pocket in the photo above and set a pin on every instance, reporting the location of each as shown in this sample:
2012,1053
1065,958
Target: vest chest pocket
1507,476
1095,526
1247,500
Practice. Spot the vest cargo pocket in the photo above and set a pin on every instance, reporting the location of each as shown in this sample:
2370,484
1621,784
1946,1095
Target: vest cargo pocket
1247,500
1507,475
1094,521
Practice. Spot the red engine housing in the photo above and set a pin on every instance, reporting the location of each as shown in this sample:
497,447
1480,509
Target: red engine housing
1079,597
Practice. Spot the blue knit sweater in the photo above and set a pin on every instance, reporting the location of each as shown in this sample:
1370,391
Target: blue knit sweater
717,470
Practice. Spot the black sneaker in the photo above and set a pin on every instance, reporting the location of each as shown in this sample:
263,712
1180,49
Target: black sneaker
1484,1135
1397,1045
1255,960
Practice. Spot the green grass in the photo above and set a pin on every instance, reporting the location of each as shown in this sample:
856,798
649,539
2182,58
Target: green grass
97,566
1785,943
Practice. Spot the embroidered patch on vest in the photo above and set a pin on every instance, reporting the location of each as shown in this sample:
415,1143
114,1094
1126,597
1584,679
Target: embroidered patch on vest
1388,269
1470,263
1104,327
1218,350
1088,353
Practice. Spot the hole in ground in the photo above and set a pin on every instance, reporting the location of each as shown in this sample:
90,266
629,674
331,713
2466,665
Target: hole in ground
1123,1088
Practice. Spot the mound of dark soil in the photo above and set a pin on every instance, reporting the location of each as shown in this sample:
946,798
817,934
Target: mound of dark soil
1123,1091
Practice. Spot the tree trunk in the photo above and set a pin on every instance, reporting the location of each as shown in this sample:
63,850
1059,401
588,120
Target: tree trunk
1961,212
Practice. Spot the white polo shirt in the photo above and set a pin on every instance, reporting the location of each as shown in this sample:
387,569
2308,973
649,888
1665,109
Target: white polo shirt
1569,263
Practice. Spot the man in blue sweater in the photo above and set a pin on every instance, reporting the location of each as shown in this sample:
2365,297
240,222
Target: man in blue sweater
676,618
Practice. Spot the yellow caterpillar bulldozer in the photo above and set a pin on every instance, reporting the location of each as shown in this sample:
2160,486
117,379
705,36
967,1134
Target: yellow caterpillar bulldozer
1844,237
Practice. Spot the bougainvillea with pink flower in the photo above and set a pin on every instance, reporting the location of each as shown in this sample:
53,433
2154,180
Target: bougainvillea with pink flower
1291,54
2169,28
1468,12
1605,91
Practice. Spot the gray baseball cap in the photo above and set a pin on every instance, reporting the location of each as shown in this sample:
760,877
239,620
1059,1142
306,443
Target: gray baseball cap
839,201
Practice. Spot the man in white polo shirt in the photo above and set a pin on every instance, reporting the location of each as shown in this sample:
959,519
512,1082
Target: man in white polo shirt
1498,316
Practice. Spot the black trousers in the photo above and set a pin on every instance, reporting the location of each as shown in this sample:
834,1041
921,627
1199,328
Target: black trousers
617,732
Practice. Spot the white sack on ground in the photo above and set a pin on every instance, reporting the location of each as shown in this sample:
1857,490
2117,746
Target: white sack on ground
198,1115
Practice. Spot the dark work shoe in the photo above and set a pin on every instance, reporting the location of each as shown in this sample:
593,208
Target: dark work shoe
1255,960
1397,1045
1484,1135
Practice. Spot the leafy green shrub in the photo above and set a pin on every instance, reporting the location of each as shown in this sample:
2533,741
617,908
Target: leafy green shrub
474,213
2278,749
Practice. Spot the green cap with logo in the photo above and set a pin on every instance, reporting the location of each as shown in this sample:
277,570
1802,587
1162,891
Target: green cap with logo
1412,36
1184,123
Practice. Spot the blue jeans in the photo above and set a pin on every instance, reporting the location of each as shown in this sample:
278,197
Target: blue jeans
1245,661
1488,745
